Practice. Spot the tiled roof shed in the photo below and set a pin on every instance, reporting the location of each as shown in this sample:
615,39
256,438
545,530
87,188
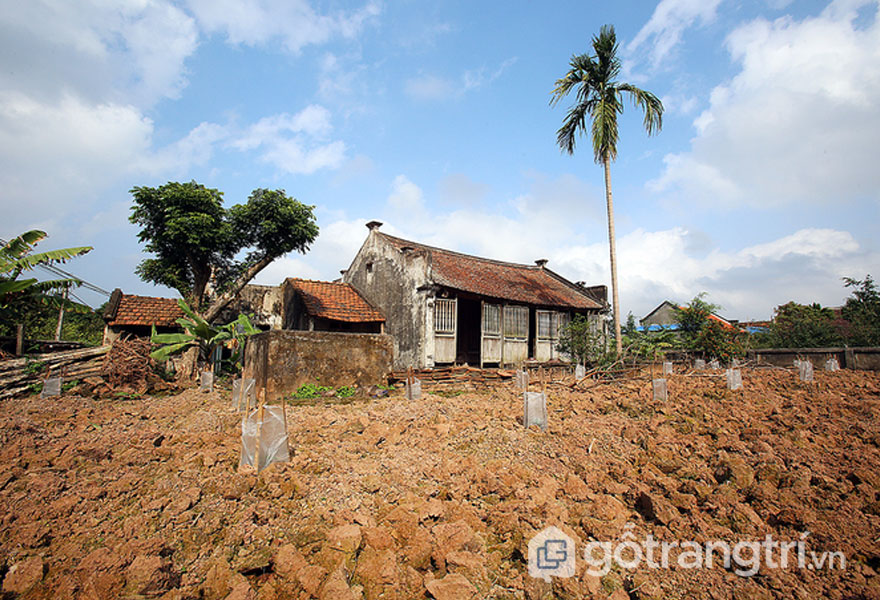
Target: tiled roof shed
130,310
530,284
334,301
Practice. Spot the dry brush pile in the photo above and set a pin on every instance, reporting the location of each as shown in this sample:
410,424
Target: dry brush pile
439,497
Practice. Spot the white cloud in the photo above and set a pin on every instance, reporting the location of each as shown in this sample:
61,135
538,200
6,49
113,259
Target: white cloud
294,143
294,22
431,87
55,157
798,123
405,196
332,252
435,87
663,30
124,52
676,264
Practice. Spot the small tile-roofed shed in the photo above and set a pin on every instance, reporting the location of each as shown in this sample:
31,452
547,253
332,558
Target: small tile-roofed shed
137,315
328,306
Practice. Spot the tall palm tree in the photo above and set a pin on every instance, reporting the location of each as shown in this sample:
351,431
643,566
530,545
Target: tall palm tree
599,101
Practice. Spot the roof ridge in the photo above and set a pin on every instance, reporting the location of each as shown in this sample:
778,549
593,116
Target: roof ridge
317,281
124,295
457,253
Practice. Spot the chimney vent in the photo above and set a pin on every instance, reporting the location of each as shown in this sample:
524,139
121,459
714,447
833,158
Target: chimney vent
541,262
372,225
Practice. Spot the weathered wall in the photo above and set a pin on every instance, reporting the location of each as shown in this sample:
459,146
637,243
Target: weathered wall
390,279
665,315
850,358
282,361
265,302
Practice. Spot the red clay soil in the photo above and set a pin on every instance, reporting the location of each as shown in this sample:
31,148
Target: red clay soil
439,497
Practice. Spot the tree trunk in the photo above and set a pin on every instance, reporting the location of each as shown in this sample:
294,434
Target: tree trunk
188,365
615,300
226,297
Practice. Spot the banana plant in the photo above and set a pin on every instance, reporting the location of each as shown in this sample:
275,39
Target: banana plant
16,257
200,334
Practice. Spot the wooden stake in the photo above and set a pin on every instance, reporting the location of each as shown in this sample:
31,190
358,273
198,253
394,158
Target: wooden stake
284,413
259,436
19,339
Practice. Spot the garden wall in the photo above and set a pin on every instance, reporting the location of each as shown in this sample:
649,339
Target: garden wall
281,361
867,359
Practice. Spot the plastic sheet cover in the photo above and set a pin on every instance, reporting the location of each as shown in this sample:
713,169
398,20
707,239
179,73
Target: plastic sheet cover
414,389
206,381
580,372
832,365
267,437
535,409
699,364
667,368
805,370
242,389
522,379
734,379
51,387
659,387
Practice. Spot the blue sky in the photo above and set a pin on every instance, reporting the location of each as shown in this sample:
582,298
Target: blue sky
433,117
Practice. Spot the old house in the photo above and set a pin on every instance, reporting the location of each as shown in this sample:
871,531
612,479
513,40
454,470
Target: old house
328,306
444,307
665,317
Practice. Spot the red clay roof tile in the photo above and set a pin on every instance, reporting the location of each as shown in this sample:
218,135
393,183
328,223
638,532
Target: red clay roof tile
335,301
146,310
496,279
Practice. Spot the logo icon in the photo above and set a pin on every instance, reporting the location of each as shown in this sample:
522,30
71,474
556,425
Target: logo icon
551,554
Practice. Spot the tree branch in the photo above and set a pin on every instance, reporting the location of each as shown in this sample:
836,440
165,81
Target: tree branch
226,297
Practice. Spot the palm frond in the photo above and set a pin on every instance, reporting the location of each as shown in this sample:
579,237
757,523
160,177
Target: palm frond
30,261
650,105
21,245
11,286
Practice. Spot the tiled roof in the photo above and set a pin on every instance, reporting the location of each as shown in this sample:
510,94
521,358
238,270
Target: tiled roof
145,310
529,284
335,301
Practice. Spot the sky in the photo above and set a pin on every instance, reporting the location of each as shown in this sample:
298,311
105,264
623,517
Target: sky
434,118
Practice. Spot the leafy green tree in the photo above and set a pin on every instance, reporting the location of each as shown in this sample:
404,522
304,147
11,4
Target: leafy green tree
694,317
196,241
599,102
40,321
716,341
804,326
583,340
17,257
862,312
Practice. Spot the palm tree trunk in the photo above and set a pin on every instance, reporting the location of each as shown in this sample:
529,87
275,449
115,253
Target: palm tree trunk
615,300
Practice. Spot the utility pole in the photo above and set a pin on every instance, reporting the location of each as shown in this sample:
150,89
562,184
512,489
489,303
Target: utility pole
61,315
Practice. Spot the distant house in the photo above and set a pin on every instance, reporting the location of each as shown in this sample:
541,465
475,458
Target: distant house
444,307
328,306
137,315
664,318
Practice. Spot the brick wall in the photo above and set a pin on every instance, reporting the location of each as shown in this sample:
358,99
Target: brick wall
282,361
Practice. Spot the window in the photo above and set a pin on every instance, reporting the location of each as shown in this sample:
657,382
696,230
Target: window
545,322
492,320
444,316
563,323
516,322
